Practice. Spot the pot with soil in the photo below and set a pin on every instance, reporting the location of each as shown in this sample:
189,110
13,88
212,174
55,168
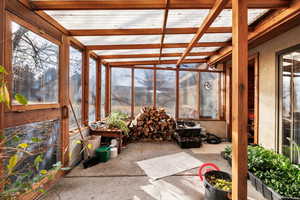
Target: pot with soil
217,185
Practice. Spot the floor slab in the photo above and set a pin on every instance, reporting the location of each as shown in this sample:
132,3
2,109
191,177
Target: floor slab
122,179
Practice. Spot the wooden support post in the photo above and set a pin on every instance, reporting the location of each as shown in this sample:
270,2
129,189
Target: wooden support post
85,88
64,98
228,101
132,93
239,99
154,86
107,90
98,90
2,50
177,94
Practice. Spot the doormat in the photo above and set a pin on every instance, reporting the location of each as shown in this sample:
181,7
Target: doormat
164,166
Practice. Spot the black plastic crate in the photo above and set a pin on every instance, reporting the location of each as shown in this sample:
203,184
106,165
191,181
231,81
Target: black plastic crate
189,132
188,142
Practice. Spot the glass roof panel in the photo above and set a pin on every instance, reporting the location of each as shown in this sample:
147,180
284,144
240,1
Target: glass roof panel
195,57
195,49
216,37
130,59
127,51
224,19
170,58
122,39
108,19
180,18
178,38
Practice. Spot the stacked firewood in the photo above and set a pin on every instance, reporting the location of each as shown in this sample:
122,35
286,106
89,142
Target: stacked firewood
152,123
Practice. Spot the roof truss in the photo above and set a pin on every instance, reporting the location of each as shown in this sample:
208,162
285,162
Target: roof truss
145,4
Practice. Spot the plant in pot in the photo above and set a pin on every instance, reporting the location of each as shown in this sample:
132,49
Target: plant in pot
118,120
22,165
218,185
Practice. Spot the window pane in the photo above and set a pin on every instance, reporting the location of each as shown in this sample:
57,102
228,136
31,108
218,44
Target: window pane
35,66
166,90
209,95
103,91
92,90
75,88
188,95
121,90
143,89
43,138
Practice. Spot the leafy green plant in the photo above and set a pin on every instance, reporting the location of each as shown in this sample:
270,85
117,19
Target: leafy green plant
117,120
275,170
17,180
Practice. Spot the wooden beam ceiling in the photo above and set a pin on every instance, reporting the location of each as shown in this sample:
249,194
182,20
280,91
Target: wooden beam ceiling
272,26
155,55
156,46
164,28
145,31
144,4
156,62
210,18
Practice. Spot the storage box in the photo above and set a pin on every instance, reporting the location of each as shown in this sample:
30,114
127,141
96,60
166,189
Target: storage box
188,142
103,154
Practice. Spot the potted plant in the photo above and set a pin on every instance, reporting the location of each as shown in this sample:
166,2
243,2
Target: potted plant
217,185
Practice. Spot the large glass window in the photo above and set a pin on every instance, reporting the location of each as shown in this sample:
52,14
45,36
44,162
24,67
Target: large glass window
35,62
166,90
103,79
188,95
289,89
143,89
121,90
75,85
209,95
92,90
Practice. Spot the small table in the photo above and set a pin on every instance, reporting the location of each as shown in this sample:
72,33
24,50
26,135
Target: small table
113,133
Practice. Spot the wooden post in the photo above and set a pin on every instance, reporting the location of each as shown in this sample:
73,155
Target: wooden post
85,88
2,50
132,93
177,94
228,101
98,90
64,98
107,90
239,99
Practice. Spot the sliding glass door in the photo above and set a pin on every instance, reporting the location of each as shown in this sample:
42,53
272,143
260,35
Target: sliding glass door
289,84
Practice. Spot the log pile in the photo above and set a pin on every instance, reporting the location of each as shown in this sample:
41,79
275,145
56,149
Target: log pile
152,123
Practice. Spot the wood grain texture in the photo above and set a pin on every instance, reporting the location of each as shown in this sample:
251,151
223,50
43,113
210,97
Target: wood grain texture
239,100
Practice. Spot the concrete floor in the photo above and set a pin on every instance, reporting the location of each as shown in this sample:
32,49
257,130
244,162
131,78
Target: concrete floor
122,179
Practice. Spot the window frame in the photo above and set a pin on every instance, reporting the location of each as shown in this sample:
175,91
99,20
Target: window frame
18,108
221,83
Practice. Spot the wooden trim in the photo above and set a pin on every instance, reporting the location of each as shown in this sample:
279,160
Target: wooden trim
20,118
161,68
156,62
201,119
156,46
256,99
239,99
166,13
85,86
144,31
132,93
107,89
64,99
228,101
146,4
274,25
154,86
98,90
20,108
213,14
156,55
177,94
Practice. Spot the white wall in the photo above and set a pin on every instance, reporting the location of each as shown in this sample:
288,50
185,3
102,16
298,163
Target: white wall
267,83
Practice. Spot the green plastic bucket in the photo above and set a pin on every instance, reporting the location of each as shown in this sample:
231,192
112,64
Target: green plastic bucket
103,153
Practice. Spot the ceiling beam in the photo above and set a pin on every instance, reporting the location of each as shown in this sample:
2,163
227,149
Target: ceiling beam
210,18
144,4
164,28
156,46
145,31
156,62
274,25
155,55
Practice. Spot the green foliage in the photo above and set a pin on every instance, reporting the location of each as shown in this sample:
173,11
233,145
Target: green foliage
21,99
116,120
275,170
221,184
12,163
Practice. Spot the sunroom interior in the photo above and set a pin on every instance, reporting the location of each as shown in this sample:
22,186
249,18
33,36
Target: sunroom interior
68,67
